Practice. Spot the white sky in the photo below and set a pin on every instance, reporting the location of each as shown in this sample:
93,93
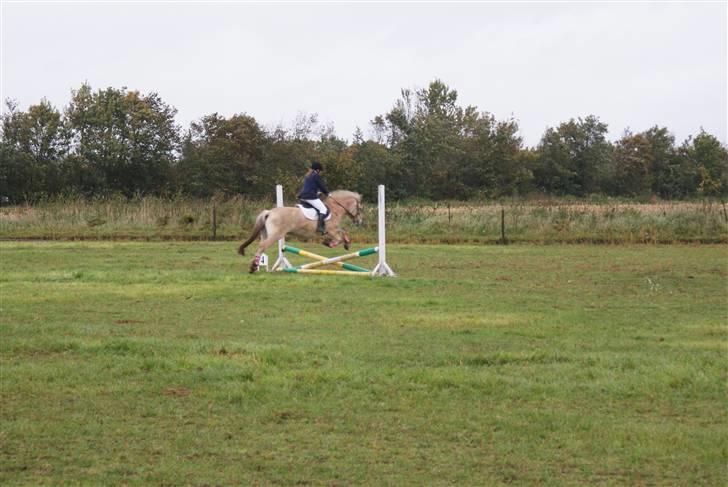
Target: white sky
632,64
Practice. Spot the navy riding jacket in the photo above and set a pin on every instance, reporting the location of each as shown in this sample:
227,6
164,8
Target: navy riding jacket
312,185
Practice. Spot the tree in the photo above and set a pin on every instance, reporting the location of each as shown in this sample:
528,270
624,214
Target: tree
33,146
125,140
575,158
448,151
289,151
705,163
423,128
379,165
223,155
341,169
665,165
633,165
492,165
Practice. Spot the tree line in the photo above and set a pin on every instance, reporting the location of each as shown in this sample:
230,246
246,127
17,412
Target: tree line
120,141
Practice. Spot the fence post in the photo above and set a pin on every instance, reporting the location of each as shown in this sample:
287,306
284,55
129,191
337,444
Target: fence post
503,226
214,220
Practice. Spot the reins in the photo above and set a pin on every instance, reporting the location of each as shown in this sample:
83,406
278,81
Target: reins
353,217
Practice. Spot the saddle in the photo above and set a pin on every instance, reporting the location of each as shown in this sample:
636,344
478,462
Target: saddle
310,212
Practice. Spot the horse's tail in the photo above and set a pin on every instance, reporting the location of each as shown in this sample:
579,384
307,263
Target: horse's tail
259,227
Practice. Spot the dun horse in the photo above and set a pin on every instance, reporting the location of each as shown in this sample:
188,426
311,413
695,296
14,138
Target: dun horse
276,223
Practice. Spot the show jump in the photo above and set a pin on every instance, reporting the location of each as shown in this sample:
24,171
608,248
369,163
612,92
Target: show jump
275,224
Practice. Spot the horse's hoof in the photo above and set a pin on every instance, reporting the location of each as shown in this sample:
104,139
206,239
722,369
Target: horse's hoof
254,265
347,240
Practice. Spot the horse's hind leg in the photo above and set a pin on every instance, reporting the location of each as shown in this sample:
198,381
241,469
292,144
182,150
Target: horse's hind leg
264,244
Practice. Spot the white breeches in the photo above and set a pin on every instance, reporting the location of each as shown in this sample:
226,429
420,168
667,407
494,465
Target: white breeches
319,205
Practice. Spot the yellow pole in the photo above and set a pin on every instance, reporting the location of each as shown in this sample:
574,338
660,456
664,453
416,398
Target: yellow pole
326,272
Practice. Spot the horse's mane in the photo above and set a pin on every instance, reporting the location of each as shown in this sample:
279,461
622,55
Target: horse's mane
342,193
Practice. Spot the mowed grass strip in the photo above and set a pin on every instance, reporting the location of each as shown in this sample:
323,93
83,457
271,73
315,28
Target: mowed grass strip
167,364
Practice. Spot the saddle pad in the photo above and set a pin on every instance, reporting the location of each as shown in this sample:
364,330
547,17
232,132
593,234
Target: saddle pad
311,213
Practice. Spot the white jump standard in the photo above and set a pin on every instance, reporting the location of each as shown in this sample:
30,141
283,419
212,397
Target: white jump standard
381,269
281,262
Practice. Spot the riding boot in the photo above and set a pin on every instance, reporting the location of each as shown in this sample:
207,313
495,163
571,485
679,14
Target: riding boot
321,228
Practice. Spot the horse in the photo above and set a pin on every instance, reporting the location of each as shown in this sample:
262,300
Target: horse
276,223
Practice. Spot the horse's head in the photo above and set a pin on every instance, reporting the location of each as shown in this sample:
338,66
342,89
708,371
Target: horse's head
350,202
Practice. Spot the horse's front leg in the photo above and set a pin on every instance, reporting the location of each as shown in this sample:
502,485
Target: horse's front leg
333,239
345,238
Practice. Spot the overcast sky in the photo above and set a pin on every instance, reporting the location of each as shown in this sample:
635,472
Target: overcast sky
633,65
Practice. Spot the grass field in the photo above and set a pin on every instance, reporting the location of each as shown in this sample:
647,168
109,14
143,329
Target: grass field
166,364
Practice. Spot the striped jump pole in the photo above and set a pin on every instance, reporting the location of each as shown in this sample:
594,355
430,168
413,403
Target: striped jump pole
321,260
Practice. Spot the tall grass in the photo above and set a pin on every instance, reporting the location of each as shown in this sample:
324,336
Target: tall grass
560,221
538,221
118,217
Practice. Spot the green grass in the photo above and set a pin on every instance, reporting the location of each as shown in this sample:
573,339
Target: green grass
166,364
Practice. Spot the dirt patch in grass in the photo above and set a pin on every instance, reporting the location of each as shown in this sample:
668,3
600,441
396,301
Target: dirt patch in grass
177,392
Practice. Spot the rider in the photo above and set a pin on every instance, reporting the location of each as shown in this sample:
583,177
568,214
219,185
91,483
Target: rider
312,185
